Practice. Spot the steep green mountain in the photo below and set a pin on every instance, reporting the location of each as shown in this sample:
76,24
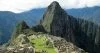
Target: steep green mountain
9,19
57,32
61,32
84,34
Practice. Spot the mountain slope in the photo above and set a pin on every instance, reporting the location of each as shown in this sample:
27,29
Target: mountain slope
9,19
78,31
88,13
20,29
7,23
39,42
25,40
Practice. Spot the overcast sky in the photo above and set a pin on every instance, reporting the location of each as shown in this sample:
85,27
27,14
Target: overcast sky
18,6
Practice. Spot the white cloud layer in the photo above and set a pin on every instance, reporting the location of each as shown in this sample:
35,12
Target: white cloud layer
18,6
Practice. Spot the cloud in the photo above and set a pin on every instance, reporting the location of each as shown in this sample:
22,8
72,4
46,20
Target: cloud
18,6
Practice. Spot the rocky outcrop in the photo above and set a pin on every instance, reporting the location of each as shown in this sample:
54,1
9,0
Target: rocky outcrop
84,34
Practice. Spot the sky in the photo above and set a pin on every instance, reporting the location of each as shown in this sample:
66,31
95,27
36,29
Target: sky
19,6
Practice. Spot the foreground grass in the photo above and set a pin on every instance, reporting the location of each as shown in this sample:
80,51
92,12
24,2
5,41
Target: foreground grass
40,44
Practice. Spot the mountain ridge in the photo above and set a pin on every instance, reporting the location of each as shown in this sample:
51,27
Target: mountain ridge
36,14
57,22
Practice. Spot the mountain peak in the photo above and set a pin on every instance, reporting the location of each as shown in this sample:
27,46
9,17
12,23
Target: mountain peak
54,5
20,27
23,23
53,15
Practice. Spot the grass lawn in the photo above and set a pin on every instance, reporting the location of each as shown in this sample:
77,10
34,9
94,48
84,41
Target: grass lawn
40,44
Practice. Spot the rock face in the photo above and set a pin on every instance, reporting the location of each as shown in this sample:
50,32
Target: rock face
84,34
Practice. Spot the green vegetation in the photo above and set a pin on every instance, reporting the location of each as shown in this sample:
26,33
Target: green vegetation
42,44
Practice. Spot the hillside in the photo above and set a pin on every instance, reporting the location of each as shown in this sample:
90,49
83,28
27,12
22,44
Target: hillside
8,21
33,16
25,40
39,42
57,32
84,34
88,13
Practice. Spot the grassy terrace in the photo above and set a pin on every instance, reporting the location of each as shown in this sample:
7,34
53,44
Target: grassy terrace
42,44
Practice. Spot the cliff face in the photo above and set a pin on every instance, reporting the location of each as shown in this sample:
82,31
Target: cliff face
84,34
